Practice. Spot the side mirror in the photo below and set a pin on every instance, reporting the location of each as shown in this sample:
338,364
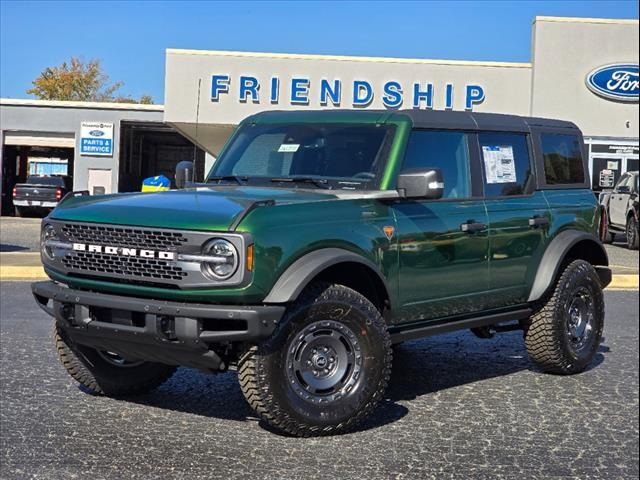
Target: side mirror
184,173
624,189
424,183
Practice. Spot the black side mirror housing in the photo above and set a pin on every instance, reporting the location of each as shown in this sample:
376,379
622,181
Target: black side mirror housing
184,173
426,183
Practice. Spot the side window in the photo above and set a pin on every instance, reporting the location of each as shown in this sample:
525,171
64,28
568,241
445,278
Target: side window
562,159
447,151
507,166
629,182
623,181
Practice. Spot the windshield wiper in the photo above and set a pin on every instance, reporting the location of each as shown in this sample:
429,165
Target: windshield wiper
318,182
239,180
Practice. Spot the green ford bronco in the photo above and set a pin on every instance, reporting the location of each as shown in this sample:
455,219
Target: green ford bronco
320,239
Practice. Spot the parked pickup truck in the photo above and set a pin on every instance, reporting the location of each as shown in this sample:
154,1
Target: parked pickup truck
317,241
40,194
620,208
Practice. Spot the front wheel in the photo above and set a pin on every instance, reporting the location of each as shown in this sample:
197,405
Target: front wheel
563,335
632,233
324,369
107,373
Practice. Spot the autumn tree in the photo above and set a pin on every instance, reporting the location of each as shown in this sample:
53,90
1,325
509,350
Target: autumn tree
77,80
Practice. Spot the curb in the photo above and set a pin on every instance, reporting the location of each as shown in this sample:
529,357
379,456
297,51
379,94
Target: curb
14,273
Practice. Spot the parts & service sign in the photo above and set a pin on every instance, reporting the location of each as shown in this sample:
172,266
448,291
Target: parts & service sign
96,138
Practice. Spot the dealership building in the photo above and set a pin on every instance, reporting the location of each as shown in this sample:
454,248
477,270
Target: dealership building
582,70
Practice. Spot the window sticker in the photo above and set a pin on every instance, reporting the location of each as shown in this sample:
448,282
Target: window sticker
499,164
289,147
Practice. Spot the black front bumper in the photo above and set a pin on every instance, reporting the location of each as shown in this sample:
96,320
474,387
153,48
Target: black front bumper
154,330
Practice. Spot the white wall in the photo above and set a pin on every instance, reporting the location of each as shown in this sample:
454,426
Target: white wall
506,86
43,116
565,51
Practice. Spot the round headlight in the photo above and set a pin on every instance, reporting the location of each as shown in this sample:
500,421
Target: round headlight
48,233
224,259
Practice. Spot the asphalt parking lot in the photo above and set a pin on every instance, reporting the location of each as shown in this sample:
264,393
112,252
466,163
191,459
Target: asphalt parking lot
19,234
457,407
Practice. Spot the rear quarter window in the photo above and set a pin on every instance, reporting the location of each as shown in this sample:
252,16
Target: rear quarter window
562,156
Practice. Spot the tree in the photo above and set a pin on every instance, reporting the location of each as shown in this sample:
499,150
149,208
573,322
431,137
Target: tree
77,80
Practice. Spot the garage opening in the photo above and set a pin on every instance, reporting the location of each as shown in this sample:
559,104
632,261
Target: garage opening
150,149
34,154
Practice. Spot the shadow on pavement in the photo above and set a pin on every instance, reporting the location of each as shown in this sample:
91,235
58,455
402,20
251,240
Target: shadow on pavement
5,247
420,368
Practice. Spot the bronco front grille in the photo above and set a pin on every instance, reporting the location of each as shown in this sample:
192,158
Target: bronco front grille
135,255
124,236
130,266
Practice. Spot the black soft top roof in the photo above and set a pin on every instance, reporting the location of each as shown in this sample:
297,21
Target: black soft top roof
481,121
420,118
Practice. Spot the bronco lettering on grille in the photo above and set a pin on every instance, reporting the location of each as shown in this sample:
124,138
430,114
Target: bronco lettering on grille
123,251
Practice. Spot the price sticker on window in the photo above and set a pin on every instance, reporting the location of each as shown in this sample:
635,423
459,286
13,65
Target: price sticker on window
289,147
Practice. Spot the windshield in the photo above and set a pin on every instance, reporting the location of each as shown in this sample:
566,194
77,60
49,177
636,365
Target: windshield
333,156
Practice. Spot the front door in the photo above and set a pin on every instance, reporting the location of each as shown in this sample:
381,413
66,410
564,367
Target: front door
443,269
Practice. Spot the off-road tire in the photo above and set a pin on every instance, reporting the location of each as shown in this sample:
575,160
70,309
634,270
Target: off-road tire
632,233
264,371
547,335
99,377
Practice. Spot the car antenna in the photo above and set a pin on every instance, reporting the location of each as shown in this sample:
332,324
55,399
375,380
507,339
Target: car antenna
195,144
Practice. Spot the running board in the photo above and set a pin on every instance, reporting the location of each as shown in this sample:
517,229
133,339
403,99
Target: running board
411,332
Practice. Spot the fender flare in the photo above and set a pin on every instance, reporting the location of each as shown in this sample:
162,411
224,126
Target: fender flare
301,272
555,253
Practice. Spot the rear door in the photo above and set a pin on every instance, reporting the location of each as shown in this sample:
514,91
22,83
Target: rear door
619,200
443,270
518,215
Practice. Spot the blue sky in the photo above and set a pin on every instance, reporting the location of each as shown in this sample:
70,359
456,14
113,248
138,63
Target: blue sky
130,37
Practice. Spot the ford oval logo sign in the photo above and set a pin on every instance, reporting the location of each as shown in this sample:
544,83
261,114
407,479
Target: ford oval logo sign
615,82
96,133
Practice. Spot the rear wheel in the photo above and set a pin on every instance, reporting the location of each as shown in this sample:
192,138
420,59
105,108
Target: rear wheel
107,373
632,233
326,366
22,212
564,334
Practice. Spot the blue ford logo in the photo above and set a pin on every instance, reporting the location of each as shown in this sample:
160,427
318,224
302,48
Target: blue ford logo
96,133
615,82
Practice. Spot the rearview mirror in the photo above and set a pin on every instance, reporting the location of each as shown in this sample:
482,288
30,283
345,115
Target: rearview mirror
424,183
184,173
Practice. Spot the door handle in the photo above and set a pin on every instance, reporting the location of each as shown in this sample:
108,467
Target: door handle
472,227
536,222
